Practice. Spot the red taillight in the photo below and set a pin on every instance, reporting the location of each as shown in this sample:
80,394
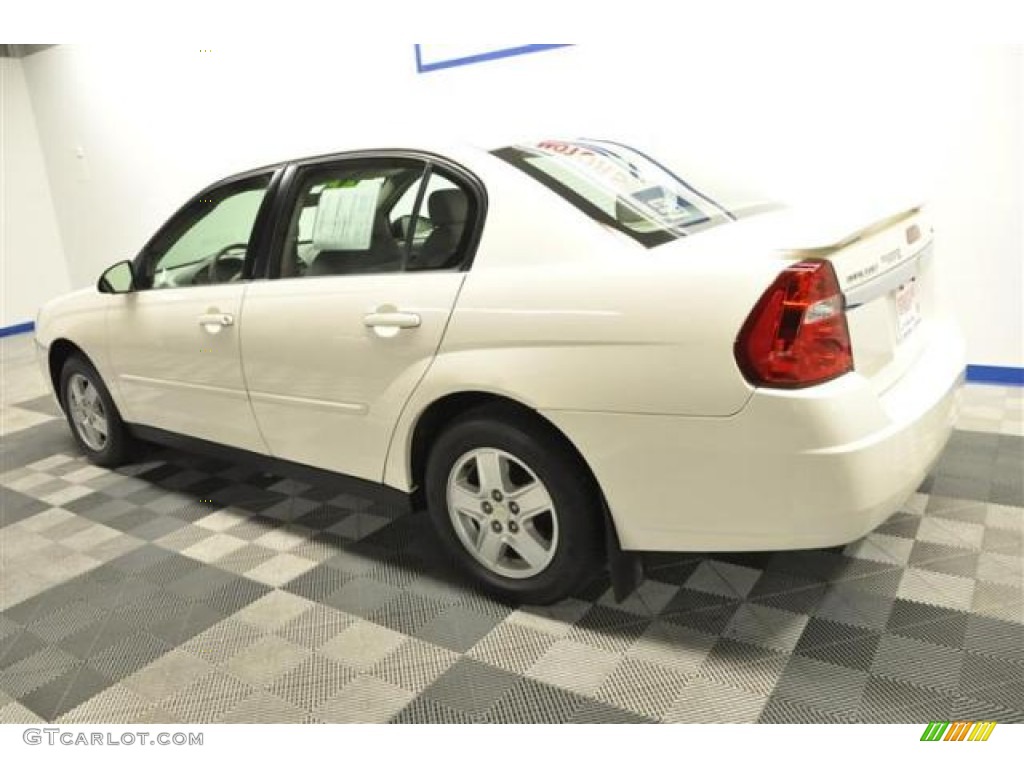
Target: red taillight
796,335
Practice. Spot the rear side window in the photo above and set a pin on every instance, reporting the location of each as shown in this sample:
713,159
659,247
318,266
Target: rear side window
437,222
619,187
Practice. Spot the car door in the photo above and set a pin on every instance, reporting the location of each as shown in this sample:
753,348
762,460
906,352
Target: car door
363,281
174,341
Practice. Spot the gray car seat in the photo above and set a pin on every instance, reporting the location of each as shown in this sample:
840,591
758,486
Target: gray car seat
448,209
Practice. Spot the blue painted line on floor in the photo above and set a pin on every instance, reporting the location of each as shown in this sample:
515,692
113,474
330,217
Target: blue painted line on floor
995,374
12,330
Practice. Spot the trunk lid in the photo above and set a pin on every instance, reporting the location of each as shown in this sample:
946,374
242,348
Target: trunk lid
884,265
882,256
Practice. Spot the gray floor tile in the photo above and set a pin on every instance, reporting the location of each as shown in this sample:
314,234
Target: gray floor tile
471,687
930,666
530,701
828,688
710,701
458,628
314,681
643,687
364,700
743,666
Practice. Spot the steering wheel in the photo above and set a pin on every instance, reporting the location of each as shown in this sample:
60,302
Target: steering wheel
223,270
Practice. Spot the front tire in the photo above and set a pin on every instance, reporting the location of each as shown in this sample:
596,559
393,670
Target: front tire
514,506
94,419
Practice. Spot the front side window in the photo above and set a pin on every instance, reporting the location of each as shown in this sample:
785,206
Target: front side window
375,216
207,242
619,187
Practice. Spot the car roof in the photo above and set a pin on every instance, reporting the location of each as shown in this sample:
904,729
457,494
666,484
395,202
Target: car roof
457,151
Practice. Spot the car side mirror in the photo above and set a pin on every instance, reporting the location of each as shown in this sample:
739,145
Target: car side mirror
119,278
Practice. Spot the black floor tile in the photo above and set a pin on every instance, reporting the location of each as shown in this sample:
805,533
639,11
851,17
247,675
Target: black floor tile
44,404
457,628
18,646
837,643
180,626
66,692
364,597
319,582
108,631
234,595
891,701
37,443
995,637
981,672
15,506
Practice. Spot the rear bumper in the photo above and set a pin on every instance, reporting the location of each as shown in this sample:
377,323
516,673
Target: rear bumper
793,470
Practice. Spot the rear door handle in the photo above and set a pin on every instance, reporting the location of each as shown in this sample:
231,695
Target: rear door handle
391,320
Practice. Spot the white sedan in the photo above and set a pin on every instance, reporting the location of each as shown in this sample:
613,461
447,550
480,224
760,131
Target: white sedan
562,348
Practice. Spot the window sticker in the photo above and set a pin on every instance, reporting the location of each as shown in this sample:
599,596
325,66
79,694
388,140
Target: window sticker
670,207
607,167
637,184
344,216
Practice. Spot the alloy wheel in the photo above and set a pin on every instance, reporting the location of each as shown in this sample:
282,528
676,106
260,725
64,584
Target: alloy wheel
502,513
87,412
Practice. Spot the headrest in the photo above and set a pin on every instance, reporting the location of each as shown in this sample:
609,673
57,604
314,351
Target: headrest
447,206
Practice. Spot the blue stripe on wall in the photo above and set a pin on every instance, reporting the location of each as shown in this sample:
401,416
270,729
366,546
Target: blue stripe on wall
11,330
995,374
500,53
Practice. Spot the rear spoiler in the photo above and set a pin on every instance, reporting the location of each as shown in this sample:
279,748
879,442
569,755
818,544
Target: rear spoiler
848,239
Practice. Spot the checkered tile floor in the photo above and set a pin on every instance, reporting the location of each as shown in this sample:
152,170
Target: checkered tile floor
181,589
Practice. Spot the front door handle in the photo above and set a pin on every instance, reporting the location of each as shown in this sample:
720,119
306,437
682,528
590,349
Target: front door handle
214,321
392,320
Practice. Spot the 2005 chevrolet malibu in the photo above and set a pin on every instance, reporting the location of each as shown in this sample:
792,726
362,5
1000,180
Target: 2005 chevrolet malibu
561,347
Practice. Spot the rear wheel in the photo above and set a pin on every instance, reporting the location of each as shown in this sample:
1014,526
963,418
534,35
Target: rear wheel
514,506
92,415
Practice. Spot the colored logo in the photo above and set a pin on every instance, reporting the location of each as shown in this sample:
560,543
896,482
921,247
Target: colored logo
960,730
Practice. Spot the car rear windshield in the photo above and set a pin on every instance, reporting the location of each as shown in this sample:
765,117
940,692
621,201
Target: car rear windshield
620,187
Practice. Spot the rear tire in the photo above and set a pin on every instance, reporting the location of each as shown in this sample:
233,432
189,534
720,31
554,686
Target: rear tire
94,419
514,506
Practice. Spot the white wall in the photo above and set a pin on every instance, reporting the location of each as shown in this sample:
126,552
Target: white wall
130,134
979,202
32,266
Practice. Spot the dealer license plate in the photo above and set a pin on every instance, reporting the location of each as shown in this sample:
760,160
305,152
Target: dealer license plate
908,309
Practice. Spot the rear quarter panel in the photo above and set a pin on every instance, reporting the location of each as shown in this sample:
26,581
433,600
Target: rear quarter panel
559,313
